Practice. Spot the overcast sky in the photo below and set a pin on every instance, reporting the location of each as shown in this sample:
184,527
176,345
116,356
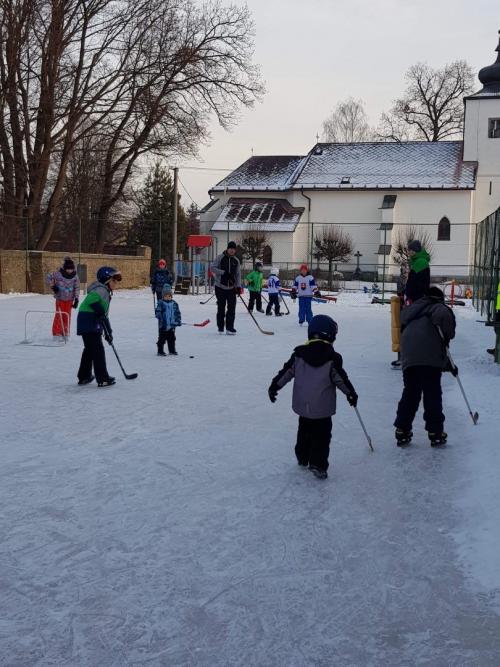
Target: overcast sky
314,53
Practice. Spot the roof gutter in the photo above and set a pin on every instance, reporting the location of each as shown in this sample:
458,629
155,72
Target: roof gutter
308,222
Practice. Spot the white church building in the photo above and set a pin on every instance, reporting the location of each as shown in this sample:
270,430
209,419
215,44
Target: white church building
372,191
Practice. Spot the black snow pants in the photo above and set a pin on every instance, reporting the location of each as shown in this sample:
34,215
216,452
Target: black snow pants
313,442
93,355
225,298
274,300
420,380
255,298
167,337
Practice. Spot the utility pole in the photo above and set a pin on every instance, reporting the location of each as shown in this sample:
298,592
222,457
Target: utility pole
174,227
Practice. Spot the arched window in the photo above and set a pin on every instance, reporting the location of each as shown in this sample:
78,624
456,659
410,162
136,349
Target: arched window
267,255
444,229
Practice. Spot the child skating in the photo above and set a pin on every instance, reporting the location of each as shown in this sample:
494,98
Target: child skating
274,290
304,288
317,371
168,315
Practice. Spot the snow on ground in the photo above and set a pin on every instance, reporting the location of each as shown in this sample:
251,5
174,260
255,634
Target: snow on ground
164,521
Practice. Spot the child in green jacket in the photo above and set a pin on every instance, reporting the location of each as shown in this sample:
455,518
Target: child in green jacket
254,282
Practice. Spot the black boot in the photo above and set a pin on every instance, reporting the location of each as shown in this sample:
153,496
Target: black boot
107,383
161,352
318,472
86,380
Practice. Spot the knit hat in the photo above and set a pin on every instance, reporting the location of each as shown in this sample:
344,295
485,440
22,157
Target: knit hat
162,263
304,267
416,246
231,244
435,293
258,265
166,289
68,264
275,270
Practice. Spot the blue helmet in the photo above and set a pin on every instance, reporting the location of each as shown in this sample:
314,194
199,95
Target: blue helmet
322,327
105,273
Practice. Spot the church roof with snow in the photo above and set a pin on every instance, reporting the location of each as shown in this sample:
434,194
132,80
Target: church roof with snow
413,165
402,166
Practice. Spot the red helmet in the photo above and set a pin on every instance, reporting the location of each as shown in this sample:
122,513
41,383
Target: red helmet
162,263
304,267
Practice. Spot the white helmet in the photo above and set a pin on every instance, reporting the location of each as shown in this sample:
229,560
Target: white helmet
275,270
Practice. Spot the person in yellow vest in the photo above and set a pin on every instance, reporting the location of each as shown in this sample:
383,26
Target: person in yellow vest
496,325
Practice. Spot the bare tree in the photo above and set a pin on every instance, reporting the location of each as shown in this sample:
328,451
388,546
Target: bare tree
405,235
347,123
431,108
140,76
334,245
253,243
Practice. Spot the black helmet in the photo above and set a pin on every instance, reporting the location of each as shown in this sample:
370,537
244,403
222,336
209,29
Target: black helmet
322,327
105,273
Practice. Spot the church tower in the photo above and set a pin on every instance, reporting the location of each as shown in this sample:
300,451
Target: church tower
482,139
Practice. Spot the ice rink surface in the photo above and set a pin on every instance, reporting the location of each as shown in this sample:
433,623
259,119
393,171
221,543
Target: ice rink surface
165,522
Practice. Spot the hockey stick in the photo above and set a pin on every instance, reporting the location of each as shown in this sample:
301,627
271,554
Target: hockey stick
364,429
473,415
196,324
129,376
285,304
268,333
209,298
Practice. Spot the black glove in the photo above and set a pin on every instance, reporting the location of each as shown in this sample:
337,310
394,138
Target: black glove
352,399
238,290
106,330
451,368
55,289
75,303
293,295
273,393
318,294
454,371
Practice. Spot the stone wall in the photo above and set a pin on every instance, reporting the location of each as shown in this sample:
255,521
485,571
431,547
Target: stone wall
27,272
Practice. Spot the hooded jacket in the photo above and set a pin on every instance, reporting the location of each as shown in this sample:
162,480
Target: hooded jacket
94,309
160,278
226,270
421,344
68,284
317,370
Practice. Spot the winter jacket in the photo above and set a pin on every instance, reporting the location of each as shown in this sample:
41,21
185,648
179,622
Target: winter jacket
317,371
273,284
168,314
67,283
93,309
304,285
160,278
227,272
419,278
255,280
421,344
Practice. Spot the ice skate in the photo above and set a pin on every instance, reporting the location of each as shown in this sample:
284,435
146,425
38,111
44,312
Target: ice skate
318,473
438,439
403,437
107,383
86,380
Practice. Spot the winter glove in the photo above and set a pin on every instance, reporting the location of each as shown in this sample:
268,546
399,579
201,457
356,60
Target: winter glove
238,290
454,370
75,303
55,289
317,294
106,330
293,294
352,399
273,393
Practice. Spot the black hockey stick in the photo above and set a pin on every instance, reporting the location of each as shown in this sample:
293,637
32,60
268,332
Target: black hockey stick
129,376
285,304
209,298
268,333
473,415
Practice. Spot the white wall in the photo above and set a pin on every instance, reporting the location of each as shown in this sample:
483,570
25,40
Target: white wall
479,147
